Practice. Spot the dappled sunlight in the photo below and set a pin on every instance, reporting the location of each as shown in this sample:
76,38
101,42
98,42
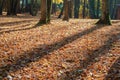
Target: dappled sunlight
54,50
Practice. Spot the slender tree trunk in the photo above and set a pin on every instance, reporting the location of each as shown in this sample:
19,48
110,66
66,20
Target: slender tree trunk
114,10
43,12
66,11
15,7
111,7
98,8
105,18
76,8
12,7
49,8
46,6
22,7
92,9
1,6
9,7
26,6
84,11
71,8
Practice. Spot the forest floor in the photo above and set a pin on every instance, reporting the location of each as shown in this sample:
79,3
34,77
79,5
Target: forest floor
74,50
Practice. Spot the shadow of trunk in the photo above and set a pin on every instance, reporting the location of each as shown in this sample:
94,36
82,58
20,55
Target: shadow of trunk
114,72
91,58
41,51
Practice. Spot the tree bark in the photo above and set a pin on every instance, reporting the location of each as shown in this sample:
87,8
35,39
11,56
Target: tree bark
43,12
84,9
49,8
66,12
92,9
1,6
105,18
71,8
98,9
46,6
76,8
12,6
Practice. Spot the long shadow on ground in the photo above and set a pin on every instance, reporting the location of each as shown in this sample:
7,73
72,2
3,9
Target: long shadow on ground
41,51
91,58
15,22
22,29
114,72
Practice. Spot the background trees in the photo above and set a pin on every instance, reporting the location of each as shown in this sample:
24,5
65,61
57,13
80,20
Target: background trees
1,6
12,6
72,8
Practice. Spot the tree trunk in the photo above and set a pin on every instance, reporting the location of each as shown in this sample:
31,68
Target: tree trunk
26,6
71,8
92,9
43,12
98,9
49,8
9,7
76,8
66,11
114,10
84,9
46,6
111,7
105,18
1,6
12,7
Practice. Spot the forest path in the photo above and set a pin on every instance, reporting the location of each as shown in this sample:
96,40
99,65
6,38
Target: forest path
75,50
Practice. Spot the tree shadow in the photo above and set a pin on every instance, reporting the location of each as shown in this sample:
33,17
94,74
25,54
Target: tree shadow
22,29
19,22
91,58
8,31
116,21
114,72
15,22
13,27
20,16
41,51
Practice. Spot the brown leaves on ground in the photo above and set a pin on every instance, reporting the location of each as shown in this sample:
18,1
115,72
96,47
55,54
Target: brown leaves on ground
75,50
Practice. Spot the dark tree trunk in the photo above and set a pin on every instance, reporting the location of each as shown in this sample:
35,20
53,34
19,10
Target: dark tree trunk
84,11
12,7
33,7
71,8
26,6
111,7
49,8
98,9
92,9
1,6
114,10
76,8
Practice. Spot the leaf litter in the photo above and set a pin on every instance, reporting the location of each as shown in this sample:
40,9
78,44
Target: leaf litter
75,50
